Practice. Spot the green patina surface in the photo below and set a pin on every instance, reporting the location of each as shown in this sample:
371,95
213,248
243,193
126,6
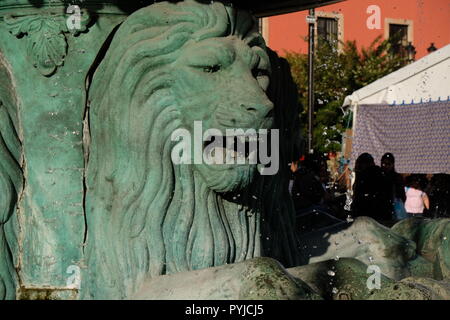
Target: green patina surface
43,70
413,289
343,279
10,179
433,244
86,176
175,64
266,279
107,100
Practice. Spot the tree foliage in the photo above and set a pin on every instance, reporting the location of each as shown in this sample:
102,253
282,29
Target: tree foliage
337,73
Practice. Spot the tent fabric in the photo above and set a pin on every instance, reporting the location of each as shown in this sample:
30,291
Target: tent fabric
418,135
423,80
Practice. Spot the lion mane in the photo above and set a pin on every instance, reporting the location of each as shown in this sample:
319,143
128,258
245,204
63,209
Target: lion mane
10,180
145,216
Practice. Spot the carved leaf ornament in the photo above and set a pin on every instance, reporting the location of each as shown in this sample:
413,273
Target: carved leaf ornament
46,36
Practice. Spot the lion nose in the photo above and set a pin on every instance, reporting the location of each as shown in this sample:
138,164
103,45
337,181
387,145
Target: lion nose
262,110
242,114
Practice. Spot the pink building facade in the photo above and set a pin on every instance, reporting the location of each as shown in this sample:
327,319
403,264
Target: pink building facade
421,22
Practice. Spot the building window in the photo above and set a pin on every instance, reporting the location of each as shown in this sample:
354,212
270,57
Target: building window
327,30
398,36
400,33
330,28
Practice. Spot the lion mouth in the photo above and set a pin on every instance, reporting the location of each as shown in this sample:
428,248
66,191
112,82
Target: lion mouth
233,148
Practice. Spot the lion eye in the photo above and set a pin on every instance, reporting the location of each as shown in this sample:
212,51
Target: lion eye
259,73
212,69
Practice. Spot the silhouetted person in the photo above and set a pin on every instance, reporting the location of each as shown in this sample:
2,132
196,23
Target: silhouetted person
439,194
307,190
396,187
370,194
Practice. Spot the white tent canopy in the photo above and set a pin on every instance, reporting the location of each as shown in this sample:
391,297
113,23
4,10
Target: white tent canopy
406,113
427,79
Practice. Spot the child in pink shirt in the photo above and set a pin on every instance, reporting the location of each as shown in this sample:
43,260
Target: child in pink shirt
416,199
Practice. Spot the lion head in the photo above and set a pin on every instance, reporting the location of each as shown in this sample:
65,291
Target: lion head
167,66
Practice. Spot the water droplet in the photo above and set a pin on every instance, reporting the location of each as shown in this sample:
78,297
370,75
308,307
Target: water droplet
331,273
335,290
